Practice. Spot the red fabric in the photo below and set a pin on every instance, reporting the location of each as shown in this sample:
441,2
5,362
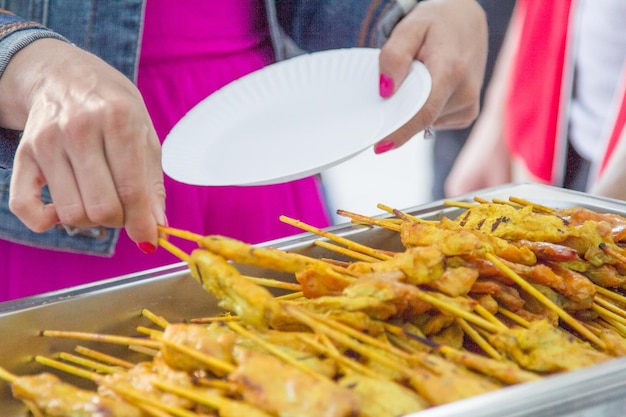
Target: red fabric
532,107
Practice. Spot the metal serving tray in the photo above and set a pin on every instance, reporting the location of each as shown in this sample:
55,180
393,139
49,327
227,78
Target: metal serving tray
114,307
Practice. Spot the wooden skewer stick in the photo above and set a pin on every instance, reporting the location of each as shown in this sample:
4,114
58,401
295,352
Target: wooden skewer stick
371,221
535,206
6,375
104,338
183,234
274,283
91,364
292,296
459,204
330,351
547,302
478,339
346,252
67,368
512,316
457,312
338,239
144,350
158,320
323,326
610,294
601,300
103,357
604,313
405,216
488,316
174,250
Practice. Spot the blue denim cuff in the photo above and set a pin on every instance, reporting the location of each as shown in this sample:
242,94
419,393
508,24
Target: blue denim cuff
18,39
93,241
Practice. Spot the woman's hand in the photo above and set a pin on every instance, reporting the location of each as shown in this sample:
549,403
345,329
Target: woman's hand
450,38
88,136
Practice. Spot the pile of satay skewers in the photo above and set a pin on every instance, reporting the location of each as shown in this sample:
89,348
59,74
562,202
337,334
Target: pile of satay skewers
508,292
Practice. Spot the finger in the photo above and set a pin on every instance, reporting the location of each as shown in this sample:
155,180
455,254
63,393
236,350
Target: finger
25,195
130,150
96,186
398,53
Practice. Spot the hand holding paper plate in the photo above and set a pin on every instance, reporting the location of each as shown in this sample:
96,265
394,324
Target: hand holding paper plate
291,119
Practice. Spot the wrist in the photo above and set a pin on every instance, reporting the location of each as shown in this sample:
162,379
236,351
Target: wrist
25,72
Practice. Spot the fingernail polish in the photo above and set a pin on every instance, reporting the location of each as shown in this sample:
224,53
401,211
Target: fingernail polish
385,86
384,146
146,247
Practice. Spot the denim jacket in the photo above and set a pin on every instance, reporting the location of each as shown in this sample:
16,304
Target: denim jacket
112,30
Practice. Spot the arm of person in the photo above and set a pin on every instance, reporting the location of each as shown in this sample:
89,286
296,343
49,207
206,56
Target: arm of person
87,136
484,160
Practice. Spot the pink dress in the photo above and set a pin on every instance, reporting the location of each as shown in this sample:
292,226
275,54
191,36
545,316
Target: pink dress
187,53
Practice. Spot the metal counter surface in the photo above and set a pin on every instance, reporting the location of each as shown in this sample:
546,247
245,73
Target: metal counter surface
114,307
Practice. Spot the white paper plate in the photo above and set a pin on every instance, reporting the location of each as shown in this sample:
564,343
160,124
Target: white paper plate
290,120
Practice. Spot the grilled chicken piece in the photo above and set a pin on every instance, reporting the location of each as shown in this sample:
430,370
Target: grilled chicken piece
252,303
510,223
452,240
381,397
215,340
59,399
281,389
544,348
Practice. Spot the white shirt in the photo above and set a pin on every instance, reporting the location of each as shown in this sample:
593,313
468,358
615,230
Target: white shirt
600,58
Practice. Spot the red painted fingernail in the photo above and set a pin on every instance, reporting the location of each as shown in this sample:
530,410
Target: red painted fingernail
384,146
146,247
385,86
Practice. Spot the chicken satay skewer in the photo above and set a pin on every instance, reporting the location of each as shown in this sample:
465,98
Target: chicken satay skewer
225,406
46,395
152,406
504,370
566,317
273,350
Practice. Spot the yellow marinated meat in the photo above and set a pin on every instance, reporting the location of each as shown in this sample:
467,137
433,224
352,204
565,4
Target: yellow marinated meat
455,281
319,279
382,398
283,390
216,341
453,240
440,381
544,348
141,378
252,303
56,398
510,223
419,264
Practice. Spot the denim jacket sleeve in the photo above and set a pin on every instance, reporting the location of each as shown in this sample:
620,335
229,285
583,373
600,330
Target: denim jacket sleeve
15,34
329,24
